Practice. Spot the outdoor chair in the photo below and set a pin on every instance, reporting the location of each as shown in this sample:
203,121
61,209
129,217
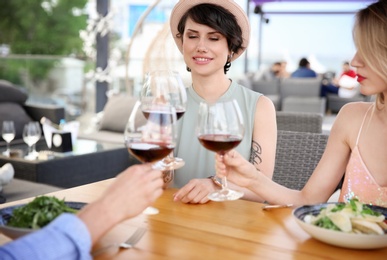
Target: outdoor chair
302,95
297,155
270,88
299,121
335,103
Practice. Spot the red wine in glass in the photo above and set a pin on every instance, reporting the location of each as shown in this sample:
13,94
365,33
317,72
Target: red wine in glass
179,113
219,129
219,143
149,152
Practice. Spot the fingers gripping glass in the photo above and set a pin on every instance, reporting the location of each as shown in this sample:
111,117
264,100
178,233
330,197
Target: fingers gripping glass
151,136
220,128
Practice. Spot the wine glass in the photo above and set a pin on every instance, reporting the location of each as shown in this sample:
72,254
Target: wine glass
8,134
150,136
220,129
31,135
165,87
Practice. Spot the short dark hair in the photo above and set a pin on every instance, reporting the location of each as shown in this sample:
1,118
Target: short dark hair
303,62
218,18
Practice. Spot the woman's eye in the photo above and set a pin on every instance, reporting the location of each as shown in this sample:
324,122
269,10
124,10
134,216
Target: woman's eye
214,38
192,36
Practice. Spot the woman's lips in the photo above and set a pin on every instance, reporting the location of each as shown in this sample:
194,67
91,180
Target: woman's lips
360,78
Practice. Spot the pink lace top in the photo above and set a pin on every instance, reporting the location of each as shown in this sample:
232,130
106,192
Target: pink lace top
359,182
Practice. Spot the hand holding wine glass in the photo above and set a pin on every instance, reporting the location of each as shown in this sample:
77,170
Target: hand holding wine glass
220,129
165,87
150,136
8,134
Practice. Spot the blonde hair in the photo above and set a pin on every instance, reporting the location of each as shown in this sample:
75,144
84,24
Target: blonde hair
370,37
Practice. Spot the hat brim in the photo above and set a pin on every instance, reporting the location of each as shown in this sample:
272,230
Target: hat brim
184,5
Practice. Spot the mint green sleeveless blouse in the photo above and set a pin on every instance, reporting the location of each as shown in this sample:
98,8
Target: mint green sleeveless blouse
200,162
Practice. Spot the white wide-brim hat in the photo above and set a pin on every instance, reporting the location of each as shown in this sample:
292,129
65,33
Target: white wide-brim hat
184,5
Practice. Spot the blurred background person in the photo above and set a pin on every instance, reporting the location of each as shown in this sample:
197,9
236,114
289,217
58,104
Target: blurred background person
304,70
345,86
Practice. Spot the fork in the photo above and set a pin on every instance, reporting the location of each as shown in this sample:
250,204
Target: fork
129,243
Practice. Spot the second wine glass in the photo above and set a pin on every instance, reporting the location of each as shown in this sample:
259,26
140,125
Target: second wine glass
220,128
165,87
31,135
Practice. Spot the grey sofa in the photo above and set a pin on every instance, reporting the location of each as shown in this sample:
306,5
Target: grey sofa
110,127
13,107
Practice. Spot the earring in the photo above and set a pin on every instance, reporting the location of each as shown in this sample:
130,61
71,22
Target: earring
229,57
188,69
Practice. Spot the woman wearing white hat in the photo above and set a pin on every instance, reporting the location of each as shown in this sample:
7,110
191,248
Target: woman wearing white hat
211,34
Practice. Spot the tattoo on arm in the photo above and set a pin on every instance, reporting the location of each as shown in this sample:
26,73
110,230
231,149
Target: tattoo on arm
256,153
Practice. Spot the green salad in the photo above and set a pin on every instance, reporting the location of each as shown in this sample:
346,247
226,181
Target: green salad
351,217
39,212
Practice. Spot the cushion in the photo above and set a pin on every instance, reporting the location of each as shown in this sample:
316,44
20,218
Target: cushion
14,112
116,113
11,93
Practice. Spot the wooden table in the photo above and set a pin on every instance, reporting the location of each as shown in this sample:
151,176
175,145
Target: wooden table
216,230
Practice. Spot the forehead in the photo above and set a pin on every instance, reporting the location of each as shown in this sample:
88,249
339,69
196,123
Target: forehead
191,25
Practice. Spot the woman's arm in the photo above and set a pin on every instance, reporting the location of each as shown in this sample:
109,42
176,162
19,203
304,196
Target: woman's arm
263,147
324,179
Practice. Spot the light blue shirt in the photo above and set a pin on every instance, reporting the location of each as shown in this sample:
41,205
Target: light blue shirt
67,237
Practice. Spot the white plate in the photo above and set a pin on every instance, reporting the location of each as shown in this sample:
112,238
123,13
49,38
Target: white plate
338,238
14,232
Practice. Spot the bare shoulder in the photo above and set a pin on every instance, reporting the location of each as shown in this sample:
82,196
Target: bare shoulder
265,103
349,120
353,111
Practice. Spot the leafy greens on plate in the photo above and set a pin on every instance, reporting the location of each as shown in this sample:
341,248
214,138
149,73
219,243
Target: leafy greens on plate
39,212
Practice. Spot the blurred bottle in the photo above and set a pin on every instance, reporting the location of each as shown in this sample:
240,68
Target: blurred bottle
62,123
47,122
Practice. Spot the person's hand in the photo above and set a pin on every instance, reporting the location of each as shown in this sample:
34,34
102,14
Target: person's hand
196,191
236,168
131,192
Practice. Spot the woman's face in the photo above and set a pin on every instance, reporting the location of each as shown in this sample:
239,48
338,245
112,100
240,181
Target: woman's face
205,50
371,83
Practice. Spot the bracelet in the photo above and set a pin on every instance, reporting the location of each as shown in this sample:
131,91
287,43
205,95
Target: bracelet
215,181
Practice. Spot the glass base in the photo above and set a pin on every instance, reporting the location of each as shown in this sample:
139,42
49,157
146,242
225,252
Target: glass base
30,157
169,165
150,211
225,194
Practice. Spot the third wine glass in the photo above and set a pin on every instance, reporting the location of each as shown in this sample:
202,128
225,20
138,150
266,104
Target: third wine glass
220,128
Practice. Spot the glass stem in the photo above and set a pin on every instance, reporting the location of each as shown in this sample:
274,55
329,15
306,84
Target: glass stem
224,183
8,148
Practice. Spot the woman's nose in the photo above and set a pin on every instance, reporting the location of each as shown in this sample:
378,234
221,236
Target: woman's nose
356,61
201,47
